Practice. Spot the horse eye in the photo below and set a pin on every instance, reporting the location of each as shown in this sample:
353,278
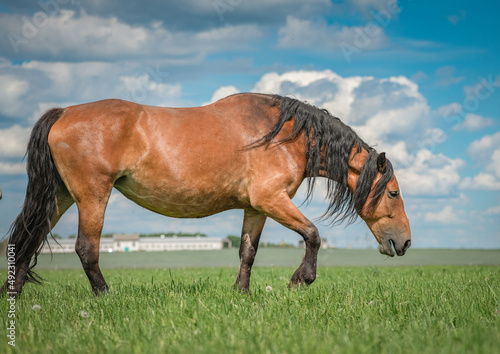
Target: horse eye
393,194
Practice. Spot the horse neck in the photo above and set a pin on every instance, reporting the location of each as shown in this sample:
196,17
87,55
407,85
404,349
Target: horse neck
356,162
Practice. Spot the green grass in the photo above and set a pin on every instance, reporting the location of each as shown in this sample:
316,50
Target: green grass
284,257
418,309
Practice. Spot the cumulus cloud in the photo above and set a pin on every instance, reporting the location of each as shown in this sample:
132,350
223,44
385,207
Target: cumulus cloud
493,211
494,164
446,216
138,88
380,110
447,110
430,175
65,83
482,89
45,106
366,5
459,119
222,92
484,181
187,14
445,76
486,152
8,168
14,141
473,122
70,35
13,91
298,33
390,108
481,149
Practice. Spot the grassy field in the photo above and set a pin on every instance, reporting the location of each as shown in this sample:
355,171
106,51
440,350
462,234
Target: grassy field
282,257
365,309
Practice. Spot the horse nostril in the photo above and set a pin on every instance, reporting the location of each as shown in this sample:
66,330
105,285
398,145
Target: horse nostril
407,245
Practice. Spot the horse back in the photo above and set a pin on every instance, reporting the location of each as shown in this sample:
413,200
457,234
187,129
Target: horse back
175,160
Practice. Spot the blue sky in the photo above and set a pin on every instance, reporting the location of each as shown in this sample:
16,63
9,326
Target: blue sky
417,79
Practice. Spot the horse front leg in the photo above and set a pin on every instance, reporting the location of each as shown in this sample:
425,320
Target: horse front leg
281,208
253,223
306,273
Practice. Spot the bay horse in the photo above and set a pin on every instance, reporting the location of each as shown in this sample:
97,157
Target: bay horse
247,151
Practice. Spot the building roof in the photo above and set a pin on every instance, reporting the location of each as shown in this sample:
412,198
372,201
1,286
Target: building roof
126,237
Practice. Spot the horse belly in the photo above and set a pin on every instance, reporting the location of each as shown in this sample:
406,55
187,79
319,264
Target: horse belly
168,197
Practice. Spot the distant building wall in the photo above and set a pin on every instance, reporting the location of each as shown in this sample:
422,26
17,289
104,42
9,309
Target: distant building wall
134,243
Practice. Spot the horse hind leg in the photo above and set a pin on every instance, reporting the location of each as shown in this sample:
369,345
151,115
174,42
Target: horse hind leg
253,223
63,202
91,208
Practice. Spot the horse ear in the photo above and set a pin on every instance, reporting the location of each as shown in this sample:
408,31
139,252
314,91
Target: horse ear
381,162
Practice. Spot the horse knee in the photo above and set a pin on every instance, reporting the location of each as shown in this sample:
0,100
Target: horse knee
311,237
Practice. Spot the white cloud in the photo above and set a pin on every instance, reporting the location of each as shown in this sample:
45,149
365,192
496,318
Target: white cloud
445,76
390,106
380,110
446,216
486,152
138,88
45,106
447,110
482,89
494,165
7,168
85,37
298,33
455,19
13,141
365,5
222,92
493,211
482,148
474,122
483,181
455,115
431,175
63,84
12,93
419,76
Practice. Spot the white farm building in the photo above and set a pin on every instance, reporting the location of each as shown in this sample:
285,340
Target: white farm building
134,243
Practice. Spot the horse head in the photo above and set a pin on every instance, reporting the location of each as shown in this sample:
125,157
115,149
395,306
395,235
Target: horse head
378,201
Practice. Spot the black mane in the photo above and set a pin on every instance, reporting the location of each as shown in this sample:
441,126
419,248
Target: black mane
324,132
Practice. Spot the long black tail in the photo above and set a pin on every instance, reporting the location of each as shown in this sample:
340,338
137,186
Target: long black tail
29,231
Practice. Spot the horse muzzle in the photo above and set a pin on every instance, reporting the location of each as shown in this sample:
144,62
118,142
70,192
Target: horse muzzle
394,245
